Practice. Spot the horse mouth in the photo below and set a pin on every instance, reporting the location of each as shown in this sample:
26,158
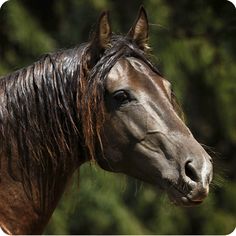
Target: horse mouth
181,198
184,201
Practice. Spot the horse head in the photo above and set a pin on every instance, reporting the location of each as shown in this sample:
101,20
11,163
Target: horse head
103,100
143,134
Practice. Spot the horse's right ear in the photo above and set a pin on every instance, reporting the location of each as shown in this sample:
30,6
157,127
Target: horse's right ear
102,35
139,31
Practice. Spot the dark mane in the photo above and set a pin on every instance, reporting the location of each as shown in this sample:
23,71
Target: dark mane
52,112
38,120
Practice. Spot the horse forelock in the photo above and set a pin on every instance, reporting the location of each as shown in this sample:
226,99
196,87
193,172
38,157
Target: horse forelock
93,101
93,104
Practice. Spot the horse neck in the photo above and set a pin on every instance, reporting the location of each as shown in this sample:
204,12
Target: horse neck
38,158
21,214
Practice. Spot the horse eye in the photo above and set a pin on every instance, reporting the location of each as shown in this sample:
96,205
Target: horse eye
122,97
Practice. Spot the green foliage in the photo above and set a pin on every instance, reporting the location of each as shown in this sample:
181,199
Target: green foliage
194,45
96,202
33,38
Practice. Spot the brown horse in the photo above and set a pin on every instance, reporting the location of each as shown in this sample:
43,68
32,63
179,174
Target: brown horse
102,101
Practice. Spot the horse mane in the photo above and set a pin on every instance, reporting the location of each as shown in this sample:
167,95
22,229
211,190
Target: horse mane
39,121
51,112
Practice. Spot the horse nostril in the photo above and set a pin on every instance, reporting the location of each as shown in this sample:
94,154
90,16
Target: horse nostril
191,172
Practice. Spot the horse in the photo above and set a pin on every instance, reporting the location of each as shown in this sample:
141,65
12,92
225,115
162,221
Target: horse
104,102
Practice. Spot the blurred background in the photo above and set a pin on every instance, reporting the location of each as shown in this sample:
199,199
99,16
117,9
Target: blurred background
194,45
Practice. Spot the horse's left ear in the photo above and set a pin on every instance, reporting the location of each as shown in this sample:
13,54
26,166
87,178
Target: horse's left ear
139,31
102,35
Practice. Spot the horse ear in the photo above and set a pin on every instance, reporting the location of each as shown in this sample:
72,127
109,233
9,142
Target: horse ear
139,31
102,34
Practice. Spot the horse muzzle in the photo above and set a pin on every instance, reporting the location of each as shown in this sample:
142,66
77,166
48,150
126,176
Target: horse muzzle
188,198
193,185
